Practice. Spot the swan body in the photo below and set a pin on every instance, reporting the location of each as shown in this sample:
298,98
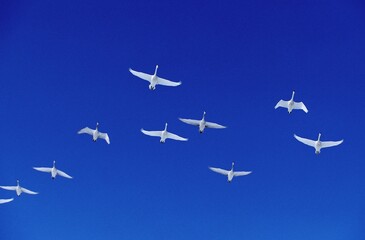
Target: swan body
290,105
6,200
163,135
202,124
230,174
53,170
18,189
95,133
154,79
318,144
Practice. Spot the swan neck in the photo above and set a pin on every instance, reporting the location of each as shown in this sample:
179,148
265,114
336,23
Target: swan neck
319,137
156,70
292,96
166,127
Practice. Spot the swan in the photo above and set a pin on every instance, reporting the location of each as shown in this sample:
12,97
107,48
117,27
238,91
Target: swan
154,79
318,145
18,189
6,200
163,135
230,174
53,170
201,123
95,133
290,105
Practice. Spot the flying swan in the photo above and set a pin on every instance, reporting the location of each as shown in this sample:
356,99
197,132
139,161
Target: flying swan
163,135
154,79
18,189
230,174
95,133
201,123
53,170
290,105
6,200
318,145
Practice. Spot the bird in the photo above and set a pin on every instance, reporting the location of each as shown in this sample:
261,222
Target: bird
163,135
6,200
318,145
95,133
230,174
202,124
18,189
154,79
53,170
290,105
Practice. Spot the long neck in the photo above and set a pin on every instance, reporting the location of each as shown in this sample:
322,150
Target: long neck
319,137
166,127
232,166
156,70
97,126
54,163
204,115
292,96
17,182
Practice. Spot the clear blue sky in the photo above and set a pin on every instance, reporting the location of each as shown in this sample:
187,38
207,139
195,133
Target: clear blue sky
64,65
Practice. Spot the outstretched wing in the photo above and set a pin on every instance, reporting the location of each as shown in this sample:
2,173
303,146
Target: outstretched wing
282,103
330,143
11,188
301,106
219,170
190,121
175,137
166,82
43,169
213,125
63,174
241,173
152,133
86,130
28,191
6,200
305,141
141,75
104,136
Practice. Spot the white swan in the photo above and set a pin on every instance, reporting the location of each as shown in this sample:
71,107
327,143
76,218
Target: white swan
201,123
163,135
318,144
53,170
6,200
290,105
154,79
18,189
230,174
95,133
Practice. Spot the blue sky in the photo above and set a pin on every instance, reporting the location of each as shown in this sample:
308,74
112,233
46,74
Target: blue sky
64,65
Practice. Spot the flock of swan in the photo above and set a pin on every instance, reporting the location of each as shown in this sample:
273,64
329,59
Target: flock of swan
164,134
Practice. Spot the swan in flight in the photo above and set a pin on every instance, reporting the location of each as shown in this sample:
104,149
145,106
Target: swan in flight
318,145
230,174
53,170
201,123
163,135
6,200
95,133
290,105
19,190
154,79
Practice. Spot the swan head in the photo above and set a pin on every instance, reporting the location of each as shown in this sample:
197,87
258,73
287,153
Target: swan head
17,182
232,165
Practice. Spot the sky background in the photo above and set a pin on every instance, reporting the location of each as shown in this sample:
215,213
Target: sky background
64,66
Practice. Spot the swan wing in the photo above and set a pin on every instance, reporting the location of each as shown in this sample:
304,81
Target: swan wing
11,188
305,141
330,143
151,133
165,82
63,174
213,125
43,169
175,137
105,137
241,173
190,121
282,103
301,106
28,191
141,75
86,130
219,170
6,200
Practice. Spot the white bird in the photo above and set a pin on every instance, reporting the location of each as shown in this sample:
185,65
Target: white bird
95,133
318,145
154,79
53,170
6,200
230,174
19,190
201,123
290,105
163,135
